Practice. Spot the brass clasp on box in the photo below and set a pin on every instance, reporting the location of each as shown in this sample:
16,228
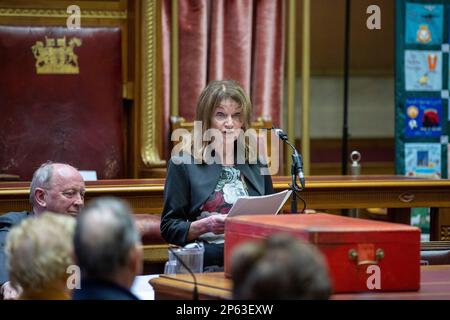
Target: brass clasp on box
406,197
353,255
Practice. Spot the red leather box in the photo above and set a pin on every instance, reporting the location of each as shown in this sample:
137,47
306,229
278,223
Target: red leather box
349,245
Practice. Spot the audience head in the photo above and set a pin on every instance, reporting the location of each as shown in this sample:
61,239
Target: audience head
281,267
57,187
107,242
39,251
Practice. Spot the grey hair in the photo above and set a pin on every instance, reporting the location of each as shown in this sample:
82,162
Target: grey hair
41,179
104,235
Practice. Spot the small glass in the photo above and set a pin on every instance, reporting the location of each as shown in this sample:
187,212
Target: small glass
170,267
191,255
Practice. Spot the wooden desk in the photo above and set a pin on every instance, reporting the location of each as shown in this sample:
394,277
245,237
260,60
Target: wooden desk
398,193
435,285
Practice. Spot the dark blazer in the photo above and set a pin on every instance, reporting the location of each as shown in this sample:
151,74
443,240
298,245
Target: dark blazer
188,186
101,290
7,221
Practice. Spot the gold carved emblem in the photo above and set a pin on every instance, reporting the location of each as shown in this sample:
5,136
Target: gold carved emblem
56,57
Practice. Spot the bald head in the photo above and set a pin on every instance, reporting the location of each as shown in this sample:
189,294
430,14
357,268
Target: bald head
105,240
57,187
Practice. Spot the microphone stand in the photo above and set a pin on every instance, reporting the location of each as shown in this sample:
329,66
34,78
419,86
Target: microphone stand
296,163
296,171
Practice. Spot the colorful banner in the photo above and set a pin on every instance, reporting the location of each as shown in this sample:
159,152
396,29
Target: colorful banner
423,70
423,160
423,117
424,23
448,158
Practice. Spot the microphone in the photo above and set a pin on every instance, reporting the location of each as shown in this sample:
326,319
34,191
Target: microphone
297,169
280,133
195,292
299,164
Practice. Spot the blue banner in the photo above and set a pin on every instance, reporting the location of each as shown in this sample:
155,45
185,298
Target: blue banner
424,23
423,117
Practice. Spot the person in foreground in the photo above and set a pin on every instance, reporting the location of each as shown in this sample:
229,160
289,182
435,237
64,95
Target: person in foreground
107,250
279,268
39,254
55,187
204,182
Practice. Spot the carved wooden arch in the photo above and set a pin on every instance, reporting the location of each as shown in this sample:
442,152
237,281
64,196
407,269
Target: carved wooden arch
150,150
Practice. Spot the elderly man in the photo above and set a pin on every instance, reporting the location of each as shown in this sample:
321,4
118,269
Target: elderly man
56,187
108,251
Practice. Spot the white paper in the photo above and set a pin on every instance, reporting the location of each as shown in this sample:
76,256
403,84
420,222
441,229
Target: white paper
88,175
270,204
142,288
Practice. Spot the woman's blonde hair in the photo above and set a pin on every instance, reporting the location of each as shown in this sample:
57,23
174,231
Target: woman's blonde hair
39,250
211,97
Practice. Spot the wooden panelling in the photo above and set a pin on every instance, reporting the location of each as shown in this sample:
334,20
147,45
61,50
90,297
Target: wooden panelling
371,51
109,5
369,168
377,155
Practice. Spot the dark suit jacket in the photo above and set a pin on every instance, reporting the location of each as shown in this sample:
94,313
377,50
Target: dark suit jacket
7,221
101,290
188,186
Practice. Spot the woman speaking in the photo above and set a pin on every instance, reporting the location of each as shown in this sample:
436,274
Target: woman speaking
203,184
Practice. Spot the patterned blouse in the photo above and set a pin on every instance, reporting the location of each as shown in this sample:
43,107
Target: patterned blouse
230,187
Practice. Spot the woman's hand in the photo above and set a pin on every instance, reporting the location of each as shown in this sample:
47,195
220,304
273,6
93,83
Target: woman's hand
216,223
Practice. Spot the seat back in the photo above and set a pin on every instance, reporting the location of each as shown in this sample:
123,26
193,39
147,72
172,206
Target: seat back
435,252
262,126
61,99
180,123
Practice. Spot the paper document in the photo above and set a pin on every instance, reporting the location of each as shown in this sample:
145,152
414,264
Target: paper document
269,204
